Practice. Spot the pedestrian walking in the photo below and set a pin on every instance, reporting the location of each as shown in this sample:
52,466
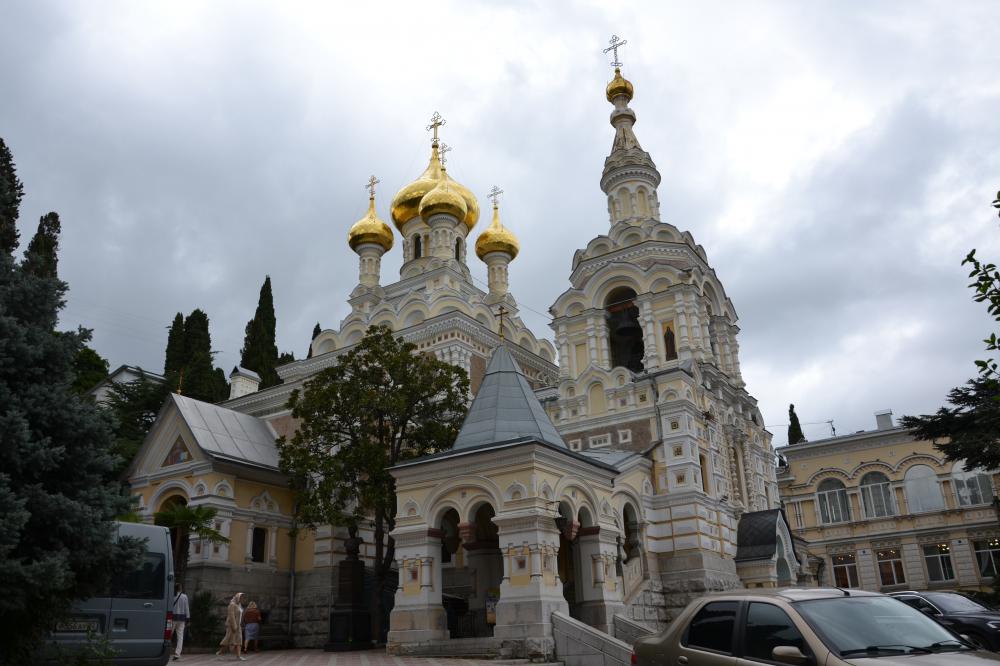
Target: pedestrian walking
233,637
251,623
181,613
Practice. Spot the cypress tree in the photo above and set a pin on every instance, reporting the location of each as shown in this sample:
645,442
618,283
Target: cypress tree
11,192
89,368
175,356
794,429
41,257
260,351
199,380
316,331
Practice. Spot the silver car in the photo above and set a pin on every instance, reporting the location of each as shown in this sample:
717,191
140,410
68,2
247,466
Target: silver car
813,626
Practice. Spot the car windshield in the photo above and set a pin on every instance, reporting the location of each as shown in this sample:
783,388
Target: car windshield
874,626
955,603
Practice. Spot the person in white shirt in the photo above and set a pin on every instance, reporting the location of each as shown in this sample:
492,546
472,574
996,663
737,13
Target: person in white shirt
181,613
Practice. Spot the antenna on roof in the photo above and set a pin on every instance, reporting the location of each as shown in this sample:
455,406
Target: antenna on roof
833,431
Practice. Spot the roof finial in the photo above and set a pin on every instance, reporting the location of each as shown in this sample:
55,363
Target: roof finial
502,311
443,151
616,43
370,186
494,195
436,122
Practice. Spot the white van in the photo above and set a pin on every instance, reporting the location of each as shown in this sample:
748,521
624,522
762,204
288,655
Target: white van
136,617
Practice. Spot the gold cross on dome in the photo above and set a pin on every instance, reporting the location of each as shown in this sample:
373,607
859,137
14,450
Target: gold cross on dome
444,150
616,43
501,312
370,186
436,122
494,195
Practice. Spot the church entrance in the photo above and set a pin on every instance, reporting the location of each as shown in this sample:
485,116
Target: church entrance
569,563
471,571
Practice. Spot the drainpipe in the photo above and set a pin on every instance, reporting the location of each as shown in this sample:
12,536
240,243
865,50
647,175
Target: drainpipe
291,578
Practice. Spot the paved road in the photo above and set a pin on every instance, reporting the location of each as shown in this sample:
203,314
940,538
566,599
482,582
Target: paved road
320,658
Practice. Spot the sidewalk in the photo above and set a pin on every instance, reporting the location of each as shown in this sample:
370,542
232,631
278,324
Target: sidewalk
320,658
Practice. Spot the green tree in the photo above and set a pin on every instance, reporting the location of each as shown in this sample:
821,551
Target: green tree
382,403
183,521
285,358
175,359
42,256
134,407
260,351
89,368
969,429
794,429
58,497
11,193
199,379
316,331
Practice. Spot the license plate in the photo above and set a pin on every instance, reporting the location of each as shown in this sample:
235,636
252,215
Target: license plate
77,626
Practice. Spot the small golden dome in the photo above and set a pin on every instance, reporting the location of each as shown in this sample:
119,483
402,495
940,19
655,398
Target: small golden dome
619,86
406,203
444,198
370,229
471,204
497,238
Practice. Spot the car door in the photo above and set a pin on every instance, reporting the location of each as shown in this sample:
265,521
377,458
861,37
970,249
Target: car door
766,626
139,609
709,638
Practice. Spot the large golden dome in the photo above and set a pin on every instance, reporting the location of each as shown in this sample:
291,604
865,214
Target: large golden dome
444,198
620,86
406,203
370,229
497,238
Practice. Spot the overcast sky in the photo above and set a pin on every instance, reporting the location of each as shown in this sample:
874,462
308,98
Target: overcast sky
836,160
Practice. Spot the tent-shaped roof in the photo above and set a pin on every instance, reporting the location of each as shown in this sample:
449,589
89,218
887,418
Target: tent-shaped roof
505,408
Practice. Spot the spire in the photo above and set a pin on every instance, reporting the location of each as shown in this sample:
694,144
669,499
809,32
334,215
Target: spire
628,164
505,408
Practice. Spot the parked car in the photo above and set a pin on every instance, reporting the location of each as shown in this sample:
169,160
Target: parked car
959,613
812,626
135,617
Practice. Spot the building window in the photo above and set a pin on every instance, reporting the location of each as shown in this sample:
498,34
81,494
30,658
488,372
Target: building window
890,566
624,436
458,249
417,246
575,445
938,560
876,495
845,570
258,543
833,503
987,554
923,492
599,442
971,487
624,332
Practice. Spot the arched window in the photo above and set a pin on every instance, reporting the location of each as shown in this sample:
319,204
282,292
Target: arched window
971,486
624,331
670,343
876,495
258,544
458,249
417,247
923,492
833,504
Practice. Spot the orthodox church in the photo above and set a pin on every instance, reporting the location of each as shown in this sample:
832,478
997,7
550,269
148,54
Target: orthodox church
606,478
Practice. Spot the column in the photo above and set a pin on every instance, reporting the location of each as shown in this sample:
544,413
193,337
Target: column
418,615
562,340
601,597
651,349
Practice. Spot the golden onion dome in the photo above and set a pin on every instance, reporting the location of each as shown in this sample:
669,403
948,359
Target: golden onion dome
406,203
370,229
444,198
620,86
471,203
497,238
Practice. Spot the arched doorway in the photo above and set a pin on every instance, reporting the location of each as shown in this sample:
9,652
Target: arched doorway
624,330
569,563
471,571
171,515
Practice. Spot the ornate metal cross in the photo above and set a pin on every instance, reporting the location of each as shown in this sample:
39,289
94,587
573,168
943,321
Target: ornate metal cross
616,43
501,312
436,121
494,194
444,150
370,186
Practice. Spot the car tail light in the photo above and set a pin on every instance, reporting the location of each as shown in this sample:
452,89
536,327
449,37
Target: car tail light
635,659
168,627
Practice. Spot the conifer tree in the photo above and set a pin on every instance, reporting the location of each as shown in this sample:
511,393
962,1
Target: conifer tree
199,380
316,331
260,351
41,257
11,192
794,429
89,368
174,362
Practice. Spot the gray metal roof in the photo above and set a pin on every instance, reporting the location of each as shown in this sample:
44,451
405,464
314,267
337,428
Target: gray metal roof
505,408
757,535
614,457
240,370
223,433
